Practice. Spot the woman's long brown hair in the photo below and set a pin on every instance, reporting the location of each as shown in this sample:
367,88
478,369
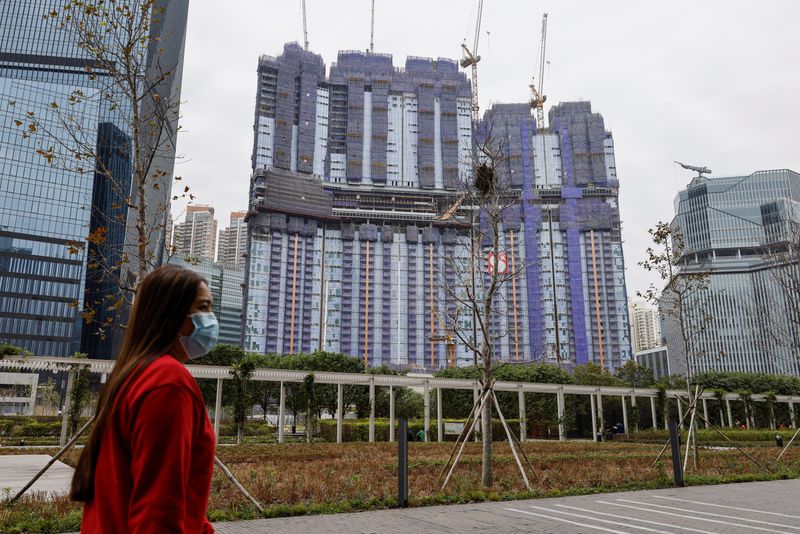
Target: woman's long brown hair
163,300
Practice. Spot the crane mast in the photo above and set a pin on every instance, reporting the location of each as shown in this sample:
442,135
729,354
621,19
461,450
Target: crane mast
471,59
305,27
372,30
538,100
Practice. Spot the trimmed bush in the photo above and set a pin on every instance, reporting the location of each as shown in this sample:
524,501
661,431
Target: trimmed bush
358,429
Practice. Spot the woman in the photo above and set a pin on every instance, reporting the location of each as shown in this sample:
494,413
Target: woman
147,464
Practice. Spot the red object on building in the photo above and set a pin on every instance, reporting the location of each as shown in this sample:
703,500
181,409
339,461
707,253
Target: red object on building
156,457
502,263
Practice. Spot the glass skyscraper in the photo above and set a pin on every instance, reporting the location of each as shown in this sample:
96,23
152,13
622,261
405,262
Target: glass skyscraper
49,199
738,230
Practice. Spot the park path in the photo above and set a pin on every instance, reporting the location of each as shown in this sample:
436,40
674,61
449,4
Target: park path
748,508
18,470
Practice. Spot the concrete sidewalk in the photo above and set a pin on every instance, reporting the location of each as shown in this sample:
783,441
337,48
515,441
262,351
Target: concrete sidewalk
734,508
17,470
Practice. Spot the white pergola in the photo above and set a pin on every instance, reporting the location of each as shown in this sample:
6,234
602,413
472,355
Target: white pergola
282,376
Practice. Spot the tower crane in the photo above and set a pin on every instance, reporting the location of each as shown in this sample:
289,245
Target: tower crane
305,27
372,30
538,100
470,59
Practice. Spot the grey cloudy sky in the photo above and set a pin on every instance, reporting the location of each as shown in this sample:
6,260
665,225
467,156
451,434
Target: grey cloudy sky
705,82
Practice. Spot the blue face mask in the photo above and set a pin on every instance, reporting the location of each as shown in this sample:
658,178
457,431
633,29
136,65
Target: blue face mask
205,335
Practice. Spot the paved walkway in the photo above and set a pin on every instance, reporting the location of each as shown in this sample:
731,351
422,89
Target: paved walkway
730,509
17,470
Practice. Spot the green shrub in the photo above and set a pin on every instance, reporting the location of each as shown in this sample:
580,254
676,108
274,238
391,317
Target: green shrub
358,429
37,429
6,425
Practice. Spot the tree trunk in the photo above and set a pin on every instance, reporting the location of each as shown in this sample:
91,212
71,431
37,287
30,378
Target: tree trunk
486,430
239,433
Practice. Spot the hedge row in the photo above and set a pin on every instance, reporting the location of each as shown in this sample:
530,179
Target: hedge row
358,430
708,435
29,427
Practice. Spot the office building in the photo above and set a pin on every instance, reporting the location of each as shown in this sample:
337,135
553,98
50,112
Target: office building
233,241
645,326
656,359
741,232
196,236
49,208
348,247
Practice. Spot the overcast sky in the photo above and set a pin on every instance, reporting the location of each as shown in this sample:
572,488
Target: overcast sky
710,83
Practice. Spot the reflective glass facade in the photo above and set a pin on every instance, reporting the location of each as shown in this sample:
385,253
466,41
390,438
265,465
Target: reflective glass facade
48,208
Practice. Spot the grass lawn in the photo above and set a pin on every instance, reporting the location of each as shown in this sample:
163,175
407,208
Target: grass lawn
297,478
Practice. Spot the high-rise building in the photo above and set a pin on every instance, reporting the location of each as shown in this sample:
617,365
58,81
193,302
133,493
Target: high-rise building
347,247
49,206
738,229
645,326
569,231
196,236
655,359
233,241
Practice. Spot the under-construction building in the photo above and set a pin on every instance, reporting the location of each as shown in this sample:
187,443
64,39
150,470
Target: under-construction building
347,247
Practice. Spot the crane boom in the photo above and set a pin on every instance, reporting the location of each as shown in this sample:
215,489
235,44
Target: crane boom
305,27
478,27
471,59
538,100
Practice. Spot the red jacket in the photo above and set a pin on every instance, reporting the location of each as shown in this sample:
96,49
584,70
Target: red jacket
156,458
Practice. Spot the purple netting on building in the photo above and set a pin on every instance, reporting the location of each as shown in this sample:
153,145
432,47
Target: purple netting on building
386,302
532,217
411,269
574,263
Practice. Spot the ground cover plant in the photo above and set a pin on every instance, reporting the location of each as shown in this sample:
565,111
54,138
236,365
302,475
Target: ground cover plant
298,478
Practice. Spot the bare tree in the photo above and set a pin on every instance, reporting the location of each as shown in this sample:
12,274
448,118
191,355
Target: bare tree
132,93
684,300
473,296
778,298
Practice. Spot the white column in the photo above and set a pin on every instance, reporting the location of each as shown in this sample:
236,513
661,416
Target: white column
427,407
371,409
680,412
653,412
391,414
705,411
339,412
281,413
218,408
439,422
791,414
594,416
67,404
635,411
730,413
624,414
562,426
600,419
523,431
